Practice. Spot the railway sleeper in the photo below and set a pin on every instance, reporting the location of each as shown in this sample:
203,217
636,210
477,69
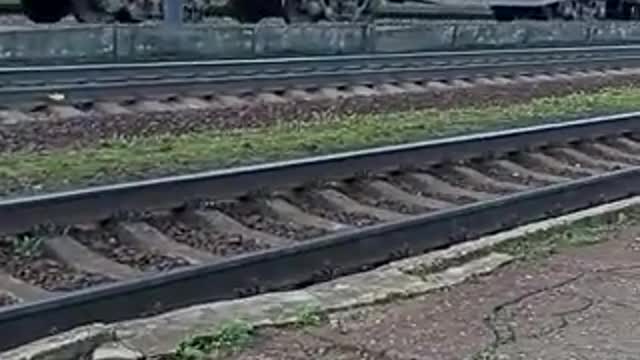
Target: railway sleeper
82,253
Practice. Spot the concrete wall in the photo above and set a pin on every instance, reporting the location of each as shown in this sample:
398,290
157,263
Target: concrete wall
131,43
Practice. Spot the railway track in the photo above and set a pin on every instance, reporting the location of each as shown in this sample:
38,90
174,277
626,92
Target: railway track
129,250
30,93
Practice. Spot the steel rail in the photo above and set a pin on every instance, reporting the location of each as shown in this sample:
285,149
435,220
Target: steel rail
337,253
135,68
20,84
90,204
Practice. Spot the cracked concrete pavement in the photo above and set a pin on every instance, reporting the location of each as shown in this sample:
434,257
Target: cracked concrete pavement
581,303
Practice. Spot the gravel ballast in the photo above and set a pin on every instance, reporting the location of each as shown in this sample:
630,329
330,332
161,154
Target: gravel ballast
79,132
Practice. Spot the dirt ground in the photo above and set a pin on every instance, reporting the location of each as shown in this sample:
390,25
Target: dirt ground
579,304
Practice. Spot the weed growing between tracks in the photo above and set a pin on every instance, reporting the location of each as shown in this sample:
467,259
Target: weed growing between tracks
122,159
27,245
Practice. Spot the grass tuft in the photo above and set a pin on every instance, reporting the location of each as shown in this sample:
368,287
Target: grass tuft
309,316
27,245
225,340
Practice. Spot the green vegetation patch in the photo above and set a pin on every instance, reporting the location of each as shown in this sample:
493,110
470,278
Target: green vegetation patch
27,245
584,232
308,316
545,243
121,159
234,336
223,341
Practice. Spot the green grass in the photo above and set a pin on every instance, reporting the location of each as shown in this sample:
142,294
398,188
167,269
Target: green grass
27,245
585,232
223,341
543,244
139,157
308,316
234,336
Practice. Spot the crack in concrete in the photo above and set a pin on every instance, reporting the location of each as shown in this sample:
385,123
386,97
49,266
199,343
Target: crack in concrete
496,318
500,320
589,302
